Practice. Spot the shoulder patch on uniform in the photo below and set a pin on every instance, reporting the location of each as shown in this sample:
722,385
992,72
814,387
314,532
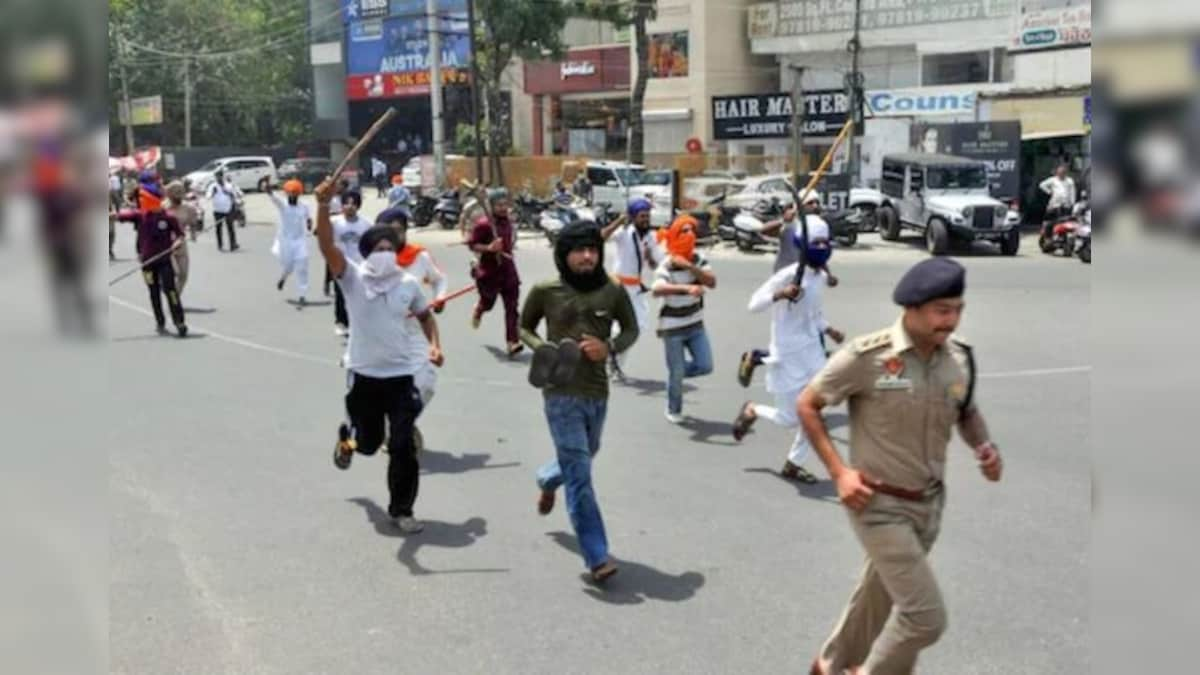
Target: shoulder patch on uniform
873,341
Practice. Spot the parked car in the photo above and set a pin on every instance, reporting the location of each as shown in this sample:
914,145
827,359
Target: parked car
308,170
411,173
700,191
245,172
619,182
947,199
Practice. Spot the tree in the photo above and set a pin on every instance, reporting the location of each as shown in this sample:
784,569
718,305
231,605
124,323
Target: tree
529,29
635,13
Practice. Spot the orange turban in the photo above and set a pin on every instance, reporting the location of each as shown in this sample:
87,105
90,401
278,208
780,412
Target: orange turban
680,237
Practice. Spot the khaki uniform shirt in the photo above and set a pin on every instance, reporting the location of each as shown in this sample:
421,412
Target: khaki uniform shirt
902,409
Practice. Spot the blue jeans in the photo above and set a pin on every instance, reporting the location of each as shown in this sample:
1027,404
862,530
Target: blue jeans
575,426
694,341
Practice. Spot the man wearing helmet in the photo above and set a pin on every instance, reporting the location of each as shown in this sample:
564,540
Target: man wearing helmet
638,252
291,239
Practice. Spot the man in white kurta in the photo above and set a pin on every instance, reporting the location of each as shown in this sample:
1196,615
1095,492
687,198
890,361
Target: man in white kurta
797,350
638,254
291,238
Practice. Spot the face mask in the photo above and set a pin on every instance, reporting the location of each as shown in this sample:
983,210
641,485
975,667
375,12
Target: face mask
382,262
818,256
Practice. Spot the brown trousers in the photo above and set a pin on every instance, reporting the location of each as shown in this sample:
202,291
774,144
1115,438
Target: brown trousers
896,610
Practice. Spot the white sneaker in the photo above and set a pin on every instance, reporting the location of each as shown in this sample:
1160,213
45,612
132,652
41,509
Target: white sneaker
409,525
673,418
340,330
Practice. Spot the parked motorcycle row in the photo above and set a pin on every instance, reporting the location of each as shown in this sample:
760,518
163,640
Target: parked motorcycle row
1070,235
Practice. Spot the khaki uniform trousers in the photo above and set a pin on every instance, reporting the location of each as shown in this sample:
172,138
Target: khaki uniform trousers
897,608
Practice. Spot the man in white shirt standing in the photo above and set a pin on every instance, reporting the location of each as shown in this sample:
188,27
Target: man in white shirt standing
638,251
797,351
381,363
348,228
1061,189
291,239
379,171
415,260
223,194
681,281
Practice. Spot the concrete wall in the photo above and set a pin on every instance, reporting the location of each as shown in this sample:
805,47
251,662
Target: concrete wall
1052,68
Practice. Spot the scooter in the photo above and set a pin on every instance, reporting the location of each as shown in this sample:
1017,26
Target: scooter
845,225
716,221
1082,243
529,210
748,225
448,209
555,218
1060,234
422,210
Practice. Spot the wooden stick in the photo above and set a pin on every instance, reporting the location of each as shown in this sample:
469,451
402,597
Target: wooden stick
154,258
456,294
362,143
824,166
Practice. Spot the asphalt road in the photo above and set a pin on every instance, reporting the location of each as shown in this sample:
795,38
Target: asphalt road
236,546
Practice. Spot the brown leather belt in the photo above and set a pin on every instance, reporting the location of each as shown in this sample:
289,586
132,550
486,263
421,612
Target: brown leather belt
934,489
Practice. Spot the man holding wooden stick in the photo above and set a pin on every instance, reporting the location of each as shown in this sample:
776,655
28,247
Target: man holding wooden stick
158,235
495,271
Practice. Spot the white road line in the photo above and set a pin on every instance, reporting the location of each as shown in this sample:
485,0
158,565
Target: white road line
248,344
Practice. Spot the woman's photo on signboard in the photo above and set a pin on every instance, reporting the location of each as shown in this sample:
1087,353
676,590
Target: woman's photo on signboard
669,54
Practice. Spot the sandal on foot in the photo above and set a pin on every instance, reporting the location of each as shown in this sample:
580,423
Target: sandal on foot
343,452
797,473
545,360
746,369
545,503
515,348
604,571
568,359
744,422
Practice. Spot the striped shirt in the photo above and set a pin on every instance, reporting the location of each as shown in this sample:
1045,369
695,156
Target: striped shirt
679,311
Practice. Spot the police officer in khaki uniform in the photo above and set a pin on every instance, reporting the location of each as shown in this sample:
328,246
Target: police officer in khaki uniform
907,387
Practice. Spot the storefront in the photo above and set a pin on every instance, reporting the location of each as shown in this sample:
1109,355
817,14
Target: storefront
581,104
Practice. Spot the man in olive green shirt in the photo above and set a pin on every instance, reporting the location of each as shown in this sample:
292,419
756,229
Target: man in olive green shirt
570,367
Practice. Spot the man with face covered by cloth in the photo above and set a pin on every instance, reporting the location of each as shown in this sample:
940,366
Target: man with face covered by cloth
638,252
907,386
579,308
797,351
380,364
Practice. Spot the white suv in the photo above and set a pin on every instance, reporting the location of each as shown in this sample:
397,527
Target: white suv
245,172
618,183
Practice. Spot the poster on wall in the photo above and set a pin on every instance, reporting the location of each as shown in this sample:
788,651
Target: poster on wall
669,54
998,144
401,45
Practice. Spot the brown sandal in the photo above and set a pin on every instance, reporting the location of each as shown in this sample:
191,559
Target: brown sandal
545,503
604,571
745,420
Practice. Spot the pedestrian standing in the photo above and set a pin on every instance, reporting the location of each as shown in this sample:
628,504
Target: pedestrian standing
579,308
379,170
907,386
348,228
224,195
415,260
797,352
157,232
291,237
1060,189
495,270
681,281
638,253
187,215
383,402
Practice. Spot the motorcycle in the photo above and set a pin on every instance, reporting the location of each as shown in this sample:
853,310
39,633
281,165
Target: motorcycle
1082,247
528,210
716,221
1060,234
845,225
747,226
557,215
448,209
423,210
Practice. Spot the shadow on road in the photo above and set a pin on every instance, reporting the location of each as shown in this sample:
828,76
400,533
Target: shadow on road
636,583
155,336
646,387
824,491
310,303
436,533
502,356
704,431
433,461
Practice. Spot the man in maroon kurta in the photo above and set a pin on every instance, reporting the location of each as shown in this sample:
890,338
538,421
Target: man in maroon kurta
495,271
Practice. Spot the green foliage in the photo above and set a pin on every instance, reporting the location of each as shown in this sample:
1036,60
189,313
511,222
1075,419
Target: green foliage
250,72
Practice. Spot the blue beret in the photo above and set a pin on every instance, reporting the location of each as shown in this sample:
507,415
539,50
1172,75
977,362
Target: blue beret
931,279
396,213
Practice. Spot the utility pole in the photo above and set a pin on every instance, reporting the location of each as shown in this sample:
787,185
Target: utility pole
435,90
855,86
798,112
187,102
129,147
475,93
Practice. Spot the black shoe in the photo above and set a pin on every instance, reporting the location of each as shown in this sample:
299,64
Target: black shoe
233,248
568,359
343,452
181,329
545,359
746,368
279,285
161,329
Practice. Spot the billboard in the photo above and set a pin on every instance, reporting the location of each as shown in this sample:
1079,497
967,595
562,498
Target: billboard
789,18
147,111
996,143
1050,28
400,44
770,115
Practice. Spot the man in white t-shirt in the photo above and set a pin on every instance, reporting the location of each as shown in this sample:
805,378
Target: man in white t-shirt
383,401
348,228
223,194
638,253
418,262
1061,189
291,239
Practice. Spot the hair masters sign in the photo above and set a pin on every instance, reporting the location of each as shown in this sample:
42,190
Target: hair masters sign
770,115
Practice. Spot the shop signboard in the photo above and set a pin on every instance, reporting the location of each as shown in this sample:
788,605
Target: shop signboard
1052,28
920,102
401,45
998,144
789,18
770,115
397,85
